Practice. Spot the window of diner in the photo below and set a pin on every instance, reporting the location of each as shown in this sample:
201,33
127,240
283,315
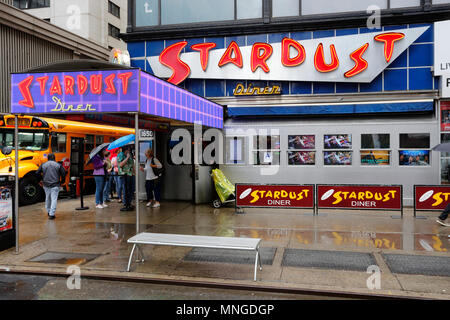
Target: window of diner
375,149
235,150
394,4
301,150
285,8
338,150
310,7
266,150
182,11
249,9
419,149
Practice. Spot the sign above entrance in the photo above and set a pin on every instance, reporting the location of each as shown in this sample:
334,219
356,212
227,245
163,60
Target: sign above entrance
353,58
110,91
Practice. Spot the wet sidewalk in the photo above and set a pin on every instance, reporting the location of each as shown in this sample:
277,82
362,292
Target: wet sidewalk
330,252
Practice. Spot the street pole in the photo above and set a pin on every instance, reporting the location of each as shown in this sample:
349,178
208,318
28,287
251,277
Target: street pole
136,165
16,180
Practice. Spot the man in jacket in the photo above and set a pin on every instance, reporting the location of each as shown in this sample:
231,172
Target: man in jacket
53,174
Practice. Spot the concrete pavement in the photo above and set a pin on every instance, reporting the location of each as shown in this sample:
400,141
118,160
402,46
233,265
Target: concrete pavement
311,240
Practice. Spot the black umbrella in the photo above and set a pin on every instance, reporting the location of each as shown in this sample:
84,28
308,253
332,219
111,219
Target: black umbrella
97,150
443,147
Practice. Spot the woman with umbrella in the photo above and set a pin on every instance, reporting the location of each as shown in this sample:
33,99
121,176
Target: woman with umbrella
97,159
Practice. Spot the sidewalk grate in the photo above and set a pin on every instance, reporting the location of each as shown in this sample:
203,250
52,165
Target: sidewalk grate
413,264
322,259
231,256
66,258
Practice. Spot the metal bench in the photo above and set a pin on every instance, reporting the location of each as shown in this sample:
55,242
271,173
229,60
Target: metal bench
162,239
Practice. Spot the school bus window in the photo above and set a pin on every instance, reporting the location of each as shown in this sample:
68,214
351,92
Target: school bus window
28,140
59,143
89,143
99,140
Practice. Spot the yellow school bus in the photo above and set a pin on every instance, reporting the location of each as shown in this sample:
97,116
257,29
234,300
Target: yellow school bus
40,136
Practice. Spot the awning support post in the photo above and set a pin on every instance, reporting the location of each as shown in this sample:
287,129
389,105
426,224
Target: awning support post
16,180
136,163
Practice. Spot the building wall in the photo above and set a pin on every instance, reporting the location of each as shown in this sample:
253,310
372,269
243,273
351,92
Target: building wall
88,19
20,51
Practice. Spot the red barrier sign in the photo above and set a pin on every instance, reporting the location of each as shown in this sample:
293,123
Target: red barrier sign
431,197
359,197
274,196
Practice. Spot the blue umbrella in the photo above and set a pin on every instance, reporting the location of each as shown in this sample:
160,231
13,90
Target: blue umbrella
121,142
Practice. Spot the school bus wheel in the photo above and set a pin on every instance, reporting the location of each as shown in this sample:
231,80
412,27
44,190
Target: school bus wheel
29,190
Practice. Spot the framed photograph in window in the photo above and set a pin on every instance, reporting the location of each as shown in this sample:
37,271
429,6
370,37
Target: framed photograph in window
302,158
338,141
337,158
301,142
375,157
414,157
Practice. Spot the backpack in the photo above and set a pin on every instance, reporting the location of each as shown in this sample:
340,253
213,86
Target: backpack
157,171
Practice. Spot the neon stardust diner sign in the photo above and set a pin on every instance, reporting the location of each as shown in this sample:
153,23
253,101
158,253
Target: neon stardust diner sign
352,58
93,91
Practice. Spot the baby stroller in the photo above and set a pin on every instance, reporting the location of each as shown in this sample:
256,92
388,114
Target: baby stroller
225,189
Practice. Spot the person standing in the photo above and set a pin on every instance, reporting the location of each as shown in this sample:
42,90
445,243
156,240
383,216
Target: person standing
108,177
117,179
99,177
52,174
126,170
152,181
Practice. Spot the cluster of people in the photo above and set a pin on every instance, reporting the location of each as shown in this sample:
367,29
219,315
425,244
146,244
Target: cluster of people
120,168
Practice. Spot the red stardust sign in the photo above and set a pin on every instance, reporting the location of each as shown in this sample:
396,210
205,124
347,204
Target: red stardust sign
261,52
359,197
431,197
275,196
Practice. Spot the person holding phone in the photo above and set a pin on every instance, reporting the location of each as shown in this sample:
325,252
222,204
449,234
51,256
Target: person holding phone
152,183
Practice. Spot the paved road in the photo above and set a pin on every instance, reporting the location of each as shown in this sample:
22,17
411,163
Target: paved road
28,287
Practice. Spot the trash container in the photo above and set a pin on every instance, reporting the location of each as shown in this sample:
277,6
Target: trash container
7,225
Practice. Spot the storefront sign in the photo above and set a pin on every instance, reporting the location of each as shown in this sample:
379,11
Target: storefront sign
274,196
445,84
359,197
352,58
431,197
75,92
6,209
441,48
240,90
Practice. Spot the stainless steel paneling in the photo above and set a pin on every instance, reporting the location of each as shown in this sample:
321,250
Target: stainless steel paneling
354,174
20,51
